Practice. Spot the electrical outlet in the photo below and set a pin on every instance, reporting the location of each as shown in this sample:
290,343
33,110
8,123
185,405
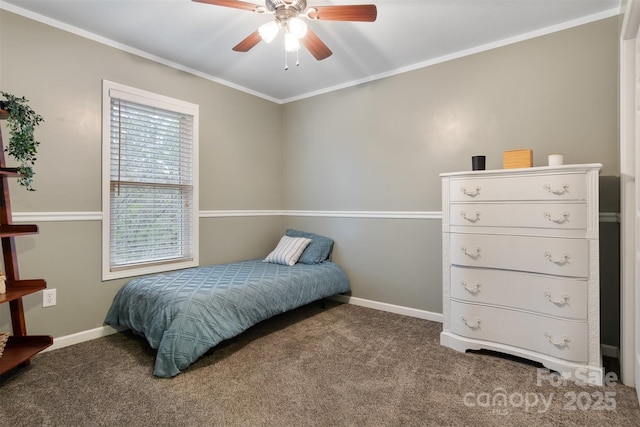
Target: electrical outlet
48,297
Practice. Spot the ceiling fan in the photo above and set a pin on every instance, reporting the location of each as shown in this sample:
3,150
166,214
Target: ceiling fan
287,14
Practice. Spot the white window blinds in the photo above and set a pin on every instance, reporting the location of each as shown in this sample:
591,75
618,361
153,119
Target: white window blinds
151,214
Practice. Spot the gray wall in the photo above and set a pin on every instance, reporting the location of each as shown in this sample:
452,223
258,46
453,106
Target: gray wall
61,74
376,147
381,146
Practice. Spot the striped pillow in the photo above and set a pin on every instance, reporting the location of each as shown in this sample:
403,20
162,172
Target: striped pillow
288,250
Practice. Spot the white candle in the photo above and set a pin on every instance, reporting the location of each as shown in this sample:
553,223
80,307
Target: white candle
555,159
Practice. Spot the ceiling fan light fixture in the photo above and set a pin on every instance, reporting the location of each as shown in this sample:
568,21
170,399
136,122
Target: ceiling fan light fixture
286,14
269,31
291,42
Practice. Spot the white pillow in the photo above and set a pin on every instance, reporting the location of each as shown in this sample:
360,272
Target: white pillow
288,250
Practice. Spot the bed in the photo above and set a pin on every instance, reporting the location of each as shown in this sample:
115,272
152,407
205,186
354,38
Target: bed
185,313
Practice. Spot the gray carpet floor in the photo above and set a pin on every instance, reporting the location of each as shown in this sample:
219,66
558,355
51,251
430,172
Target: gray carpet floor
339,365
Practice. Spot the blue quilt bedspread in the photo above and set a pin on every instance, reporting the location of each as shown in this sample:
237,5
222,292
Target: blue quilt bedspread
185,313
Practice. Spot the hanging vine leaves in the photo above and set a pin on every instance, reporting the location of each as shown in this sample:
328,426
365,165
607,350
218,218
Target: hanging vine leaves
23,147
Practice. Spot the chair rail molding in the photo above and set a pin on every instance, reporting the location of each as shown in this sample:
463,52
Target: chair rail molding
610,217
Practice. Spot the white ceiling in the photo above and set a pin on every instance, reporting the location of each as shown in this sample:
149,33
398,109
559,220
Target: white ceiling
408,34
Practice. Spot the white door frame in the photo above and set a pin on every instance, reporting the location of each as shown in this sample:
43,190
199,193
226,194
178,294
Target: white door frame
629,165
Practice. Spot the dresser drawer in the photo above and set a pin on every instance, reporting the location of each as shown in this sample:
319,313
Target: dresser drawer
570,216
561,186
564,339
555,296
558,256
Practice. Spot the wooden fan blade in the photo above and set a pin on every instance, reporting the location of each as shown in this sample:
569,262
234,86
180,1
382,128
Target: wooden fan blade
356,12
249,42
230,3
316,46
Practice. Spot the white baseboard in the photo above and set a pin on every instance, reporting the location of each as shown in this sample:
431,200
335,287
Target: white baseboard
103,331
83,336
391,308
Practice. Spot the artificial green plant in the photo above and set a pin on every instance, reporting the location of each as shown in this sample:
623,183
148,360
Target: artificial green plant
22,121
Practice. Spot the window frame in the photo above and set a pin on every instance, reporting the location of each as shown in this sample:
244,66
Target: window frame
116,90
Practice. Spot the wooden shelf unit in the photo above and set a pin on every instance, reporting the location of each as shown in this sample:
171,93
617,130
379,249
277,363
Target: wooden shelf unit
20,347
20,288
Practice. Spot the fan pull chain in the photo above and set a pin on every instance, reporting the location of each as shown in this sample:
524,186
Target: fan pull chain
286,56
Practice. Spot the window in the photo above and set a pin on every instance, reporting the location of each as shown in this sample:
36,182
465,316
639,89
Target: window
150,184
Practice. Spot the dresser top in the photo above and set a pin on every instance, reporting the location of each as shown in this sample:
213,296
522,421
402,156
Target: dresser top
525,171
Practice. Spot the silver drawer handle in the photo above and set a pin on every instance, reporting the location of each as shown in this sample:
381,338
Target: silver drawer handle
472,219
562,261
475,193
563,218
474,325
564,188
475,289
564,299
562,343
475,255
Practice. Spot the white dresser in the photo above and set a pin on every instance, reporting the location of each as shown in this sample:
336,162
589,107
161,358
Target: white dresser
521,265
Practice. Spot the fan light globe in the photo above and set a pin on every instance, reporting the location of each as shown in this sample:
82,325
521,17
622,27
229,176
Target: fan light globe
269,31
297,27
291,42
